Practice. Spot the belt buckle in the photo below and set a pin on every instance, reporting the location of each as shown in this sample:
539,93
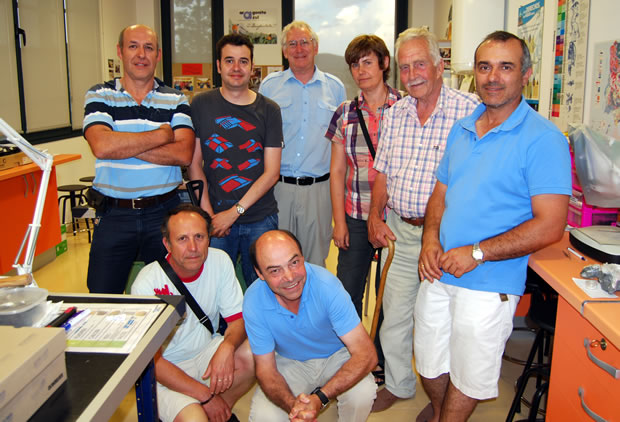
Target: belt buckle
134,201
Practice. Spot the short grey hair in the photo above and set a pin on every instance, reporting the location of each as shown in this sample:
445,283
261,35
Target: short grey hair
503,36
298,25
417,33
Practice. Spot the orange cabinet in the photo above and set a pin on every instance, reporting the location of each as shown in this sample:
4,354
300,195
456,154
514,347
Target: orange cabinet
19,187
585,371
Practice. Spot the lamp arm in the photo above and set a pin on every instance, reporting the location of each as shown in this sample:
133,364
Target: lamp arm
45,161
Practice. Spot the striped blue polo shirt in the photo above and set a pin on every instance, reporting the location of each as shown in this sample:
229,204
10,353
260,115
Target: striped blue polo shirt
109,104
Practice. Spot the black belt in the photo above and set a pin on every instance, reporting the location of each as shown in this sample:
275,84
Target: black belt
139,203
304,181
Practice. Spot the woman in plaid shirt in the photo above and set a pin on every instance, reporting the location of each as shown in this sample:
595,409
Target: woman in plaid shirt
352,173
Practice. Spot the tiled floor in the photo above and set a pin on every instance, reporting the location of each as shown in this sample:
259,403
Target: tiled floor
68,274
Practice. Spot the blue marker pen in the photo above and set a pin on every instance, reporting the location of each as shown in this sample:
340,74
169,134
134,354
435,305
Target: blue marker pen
75,319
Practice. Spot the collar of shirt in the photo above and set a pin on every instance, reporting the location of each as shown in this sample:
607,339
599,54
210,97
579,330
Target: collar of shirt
440,106
318,75
514,120
392,97
119,86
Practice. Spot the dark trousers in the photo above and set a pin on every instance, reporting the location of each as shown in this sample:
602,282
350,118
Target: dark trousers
353,267
240,239
122,236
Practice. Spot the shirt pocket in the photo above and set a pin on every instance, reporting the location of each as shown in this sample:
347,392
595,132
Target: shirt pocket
325,111
289,125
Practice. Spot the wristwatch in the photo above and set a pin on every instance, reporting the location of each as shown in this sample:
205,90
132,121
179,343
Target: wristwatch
240,209
477,253
321,395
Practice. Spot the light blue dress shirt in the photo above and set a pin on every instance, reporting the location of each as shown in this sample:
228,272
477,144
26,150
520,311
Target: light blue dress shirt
306,113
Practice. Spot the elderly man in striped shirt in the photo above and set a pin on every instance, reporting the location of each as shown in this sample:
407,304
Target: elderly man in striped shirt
140,131
411,145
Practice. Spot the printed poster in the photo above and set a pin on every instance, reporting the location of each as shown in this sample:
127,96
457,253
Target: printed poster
570,62
530,28
260,25
605,109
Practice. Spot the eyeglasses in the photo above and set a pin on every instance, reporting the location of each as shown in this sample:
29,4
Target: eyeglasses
302,42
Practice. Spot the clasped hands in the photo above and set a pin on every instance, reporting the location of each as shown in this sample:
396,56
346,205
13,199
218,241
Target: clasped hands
434,261
305,408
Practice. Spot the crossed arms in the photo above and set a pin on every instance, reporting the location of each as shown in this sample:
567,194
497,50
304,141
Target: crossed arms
163,145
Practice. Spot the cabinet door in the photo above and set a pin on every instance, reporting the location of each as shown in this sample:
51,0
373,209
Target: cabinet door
577,382
17,204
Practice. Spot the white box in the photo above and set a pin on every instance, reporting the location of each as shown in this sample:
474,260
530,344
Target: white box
27,401
26,352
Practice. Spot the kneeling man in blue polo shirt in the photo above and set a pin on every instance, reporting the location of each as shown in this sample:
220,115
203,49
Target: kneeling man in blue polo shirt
308,343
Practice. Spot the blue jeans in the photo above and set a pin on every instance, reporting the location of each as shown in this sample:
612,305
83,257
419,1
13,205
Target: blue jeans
353,267
122,236
238,242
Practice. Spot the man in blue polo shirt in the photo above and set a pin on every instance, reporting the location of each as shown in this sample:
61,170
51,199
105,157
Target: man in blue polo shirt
502,193
307,98
140,131
308,343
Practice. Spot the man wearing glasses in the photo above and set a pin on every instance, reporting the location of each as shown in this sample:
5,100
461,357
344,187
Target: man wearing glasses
307,98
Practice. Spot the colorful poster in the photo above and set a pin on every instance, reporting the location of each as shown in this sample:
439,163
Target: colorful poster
260,25
530,28
605,109
570,67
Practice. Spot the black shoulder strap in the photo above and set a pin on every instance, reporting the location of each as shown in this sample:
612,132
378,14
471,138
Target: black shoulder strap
364,129
196,309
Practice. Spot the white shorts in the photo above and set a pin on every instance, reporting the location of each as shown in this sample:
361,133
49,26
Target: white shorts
170,402
462,332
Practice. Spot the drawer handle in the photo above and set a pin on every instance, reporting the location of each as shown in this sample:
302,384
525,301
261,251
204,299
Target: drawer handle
26,182
601,364
586,409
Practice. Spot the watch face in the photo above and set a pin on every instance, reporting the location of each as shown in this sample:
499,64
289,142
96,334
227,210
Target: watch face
477,253
240,209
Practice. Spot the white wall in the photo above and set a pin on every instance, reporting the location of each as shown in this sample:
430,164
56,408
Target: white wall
442,9
603,27
422,12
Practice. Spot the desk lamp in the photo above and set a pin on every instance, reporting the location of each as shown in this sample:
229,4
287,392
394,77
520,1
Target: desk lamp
45,162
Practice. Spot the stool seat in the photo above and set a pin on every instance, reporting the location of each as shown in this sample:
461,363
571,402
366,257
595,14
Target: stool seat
72,188
75,196
87,179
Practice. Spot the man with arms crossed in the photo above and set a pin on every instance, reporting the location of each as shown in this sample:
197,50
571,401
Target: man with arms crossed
237,154
412,143
502,193
308,343
308,99
199,374
140,131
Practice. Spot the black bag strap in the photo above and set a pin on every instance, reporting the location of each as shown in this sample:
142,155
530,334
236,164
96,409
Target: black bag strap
196,309
364,129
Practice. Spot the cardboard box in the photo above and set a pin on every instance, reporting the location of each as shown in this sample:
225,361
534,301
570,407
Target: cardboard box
31,398
14,160
25,354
